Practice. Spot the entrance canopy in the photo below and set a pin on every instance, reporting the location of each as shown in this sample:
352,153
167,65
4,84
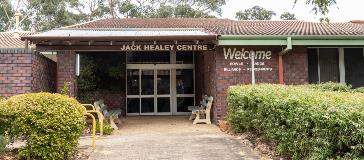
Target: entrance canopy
162,38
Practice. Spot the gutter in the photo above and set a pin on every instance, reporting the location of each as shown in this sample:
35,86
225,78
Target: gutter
296,40
295,37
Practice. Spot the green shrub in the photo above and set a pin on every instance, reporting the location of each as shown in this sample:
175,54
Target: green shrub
3,127
360,90
3,142
50,123
304,123
107,128
331,86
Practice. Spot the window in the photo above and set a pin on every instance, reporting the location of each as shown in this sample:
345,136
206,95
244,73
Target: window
323,65
336,65
148,57
184,57
354,66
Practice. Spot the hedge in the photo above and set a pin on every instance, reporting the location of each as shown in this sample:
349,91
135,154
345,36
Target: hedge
332,86
50,123
303,122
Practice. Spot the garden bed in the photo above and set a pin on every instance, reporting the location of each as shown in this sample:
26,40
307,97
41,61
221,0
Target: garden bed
300,121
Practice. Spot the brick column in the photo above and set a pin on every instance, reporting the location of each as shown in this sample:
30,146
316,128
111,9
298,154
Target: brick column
295,66
66,70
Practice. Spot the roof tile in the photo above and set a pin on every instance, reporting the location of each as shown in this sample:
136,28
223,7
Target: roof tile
12,39
232,27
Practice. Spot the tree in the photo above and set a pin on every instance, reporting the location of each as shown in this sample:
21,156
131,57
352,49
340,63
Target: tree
7,13
255,13
288,16
171,8
320,6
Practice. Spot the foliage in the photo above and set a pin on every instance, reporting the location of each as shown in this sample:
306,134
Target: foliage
255,13
171,8
303,122
288,16
331,86
107,128
50,123
100,74
320,6
3,142
3,127
360,90
66,88
41,15
6,15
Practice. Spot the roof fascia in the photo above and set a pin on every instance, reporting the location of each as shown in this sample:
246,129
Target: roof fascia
295,40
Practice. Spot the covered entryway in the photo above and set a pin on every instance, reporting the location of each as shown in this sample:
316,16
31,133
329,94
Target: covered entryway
160,83
157,66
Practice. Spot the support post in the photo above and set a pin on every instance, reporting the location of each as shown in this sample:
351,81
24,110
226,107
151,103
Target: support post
252,57
342,65
280,69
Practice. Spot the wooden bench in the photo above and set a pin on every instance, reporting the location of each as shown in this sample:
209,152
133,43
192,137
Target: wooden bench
111,114
202,113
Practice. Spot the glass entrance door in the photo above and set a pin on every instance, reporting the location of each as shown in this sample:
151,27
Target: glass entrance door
148,92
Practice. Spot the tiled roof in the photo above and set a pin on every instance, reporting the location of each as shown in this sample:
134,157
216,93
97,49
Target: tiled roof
232,27
12,40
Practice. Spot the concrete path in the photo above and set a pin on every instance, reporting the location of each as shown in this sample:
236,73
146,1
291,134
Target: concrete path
167,137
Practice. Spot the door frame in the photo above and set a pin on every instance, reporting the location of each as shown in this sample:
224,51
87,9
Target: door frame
173,95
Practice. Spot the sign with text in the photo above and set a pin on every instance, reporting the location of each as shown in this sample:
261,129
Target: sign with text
167,47
240,59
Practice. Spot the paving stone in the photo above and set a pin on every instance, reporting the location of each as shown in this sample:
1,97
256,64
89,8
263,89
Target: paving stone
155,139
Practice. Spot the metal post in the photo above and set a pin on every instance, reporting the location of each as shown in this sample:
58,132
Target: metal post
78,64
93,129
252,57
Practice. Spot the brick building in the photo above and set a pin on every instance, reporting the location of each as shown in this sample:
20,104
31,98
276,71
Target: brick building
23,70
168,64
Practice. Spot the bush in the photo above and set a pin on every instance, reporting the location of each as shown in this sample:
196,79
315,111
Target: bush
50,123
331,86
3,127
360,90
107,128
304,123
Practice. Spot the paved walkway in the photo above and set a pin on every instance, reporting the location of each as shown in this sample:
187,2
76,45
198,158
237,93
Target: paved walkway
167,137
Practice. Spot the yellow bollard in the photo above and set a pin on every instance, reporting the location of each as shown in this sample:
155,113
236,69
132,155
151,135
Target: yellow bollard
99,114
93,129
101,120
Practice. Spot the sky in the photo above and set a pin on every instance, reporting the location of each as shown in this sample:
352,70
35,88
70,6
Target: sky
344,11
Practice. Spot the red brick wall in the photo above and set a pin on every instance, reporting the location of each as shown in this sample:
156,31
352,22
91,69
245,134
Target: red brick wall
205,75
66,71
25,72
295,66
44,74
227,72
15,73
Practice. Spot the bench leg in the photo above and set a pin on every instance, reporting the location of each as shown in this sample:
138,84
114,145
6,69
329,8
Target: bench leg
112,123
192,116
208,120
197,119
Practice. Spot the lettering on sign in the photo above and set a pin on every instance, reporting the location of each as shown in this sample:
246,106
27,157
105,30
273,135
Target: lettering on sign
242,54
167,47
240,60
